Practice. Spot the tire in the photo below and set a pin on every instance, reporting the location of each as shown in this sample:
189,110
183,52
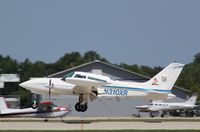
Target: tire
34,105
77,107
81,108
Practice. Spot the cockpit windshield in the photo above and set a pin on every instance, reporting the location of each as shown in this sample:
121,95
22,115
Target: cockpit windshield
68,75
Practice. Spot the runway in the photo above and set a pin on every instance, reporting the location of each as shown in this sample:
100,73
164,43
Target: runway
99,125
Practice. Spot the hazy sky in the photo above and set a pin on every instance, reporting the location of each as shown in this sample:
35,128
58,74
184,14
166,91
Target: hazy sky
144,32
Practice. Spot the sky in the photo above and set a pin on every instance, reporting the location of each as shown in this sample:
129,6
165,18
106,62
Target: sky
143,32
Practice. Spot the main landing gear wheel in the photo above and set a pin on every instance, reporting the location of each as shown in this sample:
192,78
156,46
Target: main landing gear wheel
81,108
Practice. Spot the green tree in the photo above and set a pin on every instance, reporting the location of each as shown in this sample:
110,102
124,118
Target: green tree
69,60
197,58
190,76
93,55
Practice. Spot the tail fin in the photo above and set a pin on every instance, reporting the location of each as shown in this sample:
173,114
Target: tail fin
192,100
3,104
166,79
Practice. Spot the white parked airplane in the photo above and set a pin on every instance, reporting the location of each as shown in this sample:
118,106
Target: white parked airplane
156,106
89,86
43,110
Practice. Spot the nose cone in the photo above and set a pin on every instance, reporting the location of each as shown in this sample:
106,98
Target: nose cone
25,85
37,86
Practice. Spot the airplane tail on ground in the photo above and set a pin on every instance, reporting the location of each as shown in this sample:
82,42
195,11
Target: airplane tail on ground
2,104
191,100
165,80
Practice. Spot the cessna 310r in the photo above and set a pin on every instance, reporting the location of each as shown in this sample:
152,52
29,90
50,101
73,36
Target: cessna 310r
42,110
89,85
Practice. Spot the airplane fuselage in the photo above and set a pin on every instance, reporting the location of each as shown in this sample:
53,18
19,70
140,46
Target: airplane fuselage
113,88
164,107
89,86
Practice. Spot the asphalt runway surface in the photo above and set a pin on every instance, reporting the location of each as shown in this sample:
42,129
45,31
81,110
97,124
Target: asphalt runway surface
99,125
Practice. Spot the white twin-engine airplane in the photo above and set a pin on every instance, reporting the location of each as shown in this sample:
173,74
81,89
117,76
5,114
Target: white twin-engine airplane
89,85
44,110
156,106
162,106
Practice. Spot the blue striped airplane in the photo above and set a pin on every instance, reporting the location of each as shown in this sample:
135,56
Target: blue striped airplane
89,86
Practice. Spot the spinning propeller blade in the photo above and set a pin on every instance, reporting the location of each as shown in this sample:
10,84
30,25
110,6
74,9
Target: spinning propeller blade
50,87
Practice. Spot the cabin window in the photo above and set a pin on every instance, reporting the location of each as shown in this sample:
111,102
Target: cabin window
79,76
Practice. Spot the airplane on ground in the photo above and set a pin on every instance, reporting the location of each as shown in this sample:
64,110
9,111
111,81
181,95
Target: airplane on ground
89,85
43,110
156,106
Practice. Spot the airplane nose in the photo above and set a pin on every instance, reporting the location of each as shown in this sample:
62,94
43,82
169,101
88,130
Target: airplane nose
24,84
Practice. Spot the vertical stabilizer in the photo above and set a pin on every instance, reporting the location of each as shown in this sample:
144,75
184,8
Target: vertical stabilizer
166,79
192,100
3,104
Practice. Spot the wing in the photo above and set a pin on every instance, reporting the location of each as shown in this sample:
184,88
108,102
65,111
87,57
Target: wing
154,109
85,82
87,87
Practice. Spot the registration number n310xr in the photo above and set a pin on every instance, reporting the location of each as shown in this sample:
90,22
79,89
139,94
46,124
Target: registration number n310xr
116,92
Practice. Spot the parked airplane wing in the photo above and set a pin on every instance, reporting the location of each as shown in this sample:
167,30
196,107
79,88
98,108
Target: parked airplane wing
155,109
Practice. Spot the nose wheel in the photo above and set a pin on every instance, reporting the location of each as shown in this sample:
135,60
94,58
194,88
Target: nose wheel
34,105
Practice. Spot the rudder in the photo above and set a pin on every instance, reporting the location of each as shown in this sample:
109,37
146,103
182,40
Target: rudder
192,100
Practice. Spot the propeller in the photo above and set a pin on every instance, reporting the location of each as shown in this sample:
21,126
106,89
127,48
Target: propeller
50,87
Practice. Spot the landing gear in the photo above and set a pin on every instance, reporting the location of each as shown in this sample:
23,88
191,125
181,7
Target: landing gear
81,108
153,114
34,105
80,105
35,102
162,115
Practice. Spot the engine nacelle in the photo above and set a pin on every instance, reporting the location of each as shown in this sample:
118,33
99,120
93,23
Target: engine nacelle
63,89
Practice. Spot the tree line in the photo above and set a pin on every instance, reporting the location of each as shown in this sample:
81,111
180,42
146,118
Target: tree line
189,78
